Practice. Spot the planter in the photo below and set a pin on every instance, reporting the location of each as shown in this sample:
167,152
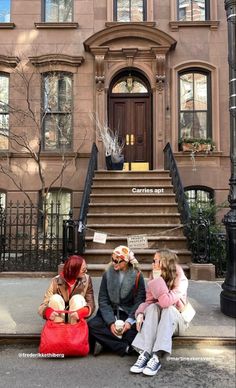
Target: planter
111,165
196,147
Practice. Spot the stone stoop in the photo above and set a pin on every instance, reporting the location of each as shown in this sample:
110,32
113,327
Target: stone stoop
124,203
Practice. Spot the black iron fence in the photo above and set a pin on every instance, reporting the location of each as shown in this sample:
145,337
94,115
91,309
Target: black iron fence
31,239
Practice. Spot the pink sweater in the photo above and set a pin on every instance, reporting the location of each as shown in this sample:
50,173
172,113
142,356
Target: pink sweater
158,292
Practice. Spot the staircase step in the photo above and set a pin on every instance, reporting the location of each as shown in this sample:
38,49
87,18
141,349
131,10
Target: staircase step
134,181
138,207
132,174
154,242
155,190
134,218
125,230
130,198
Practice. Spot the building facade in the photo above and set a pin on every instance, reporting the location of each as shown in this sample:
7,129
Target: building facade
155,71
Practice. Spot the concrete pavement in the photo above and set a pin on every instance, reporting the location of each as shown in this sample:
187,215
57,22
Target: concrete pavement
20,298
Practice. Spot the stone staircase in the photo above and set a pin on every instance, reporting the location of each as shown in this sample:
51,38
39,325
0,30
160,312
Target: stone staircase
132,203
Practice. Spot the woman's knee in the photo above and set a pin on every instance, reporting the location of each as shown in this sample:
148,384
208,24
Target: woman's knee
56,302
77,302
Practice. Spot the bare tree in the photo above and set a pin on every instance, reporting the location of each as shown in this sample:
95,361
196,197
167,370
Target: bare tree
37,118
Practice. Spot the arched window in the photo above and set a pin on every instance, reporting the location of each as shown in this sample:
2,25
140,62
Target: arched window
5,11
57,94
58,11
194,104
193,10
129,84
4,111
130,10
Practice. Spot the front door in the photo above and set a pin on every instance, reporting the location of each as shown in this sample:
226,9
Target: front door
130,117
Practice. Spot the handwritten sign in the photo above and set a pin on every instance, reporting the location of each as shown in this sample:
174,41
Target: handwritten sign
100,238
137,241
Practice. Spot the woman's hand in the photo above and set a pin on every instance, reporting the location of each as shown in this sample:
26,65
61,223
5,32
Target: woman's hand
53,315
126,327
113,329
139,321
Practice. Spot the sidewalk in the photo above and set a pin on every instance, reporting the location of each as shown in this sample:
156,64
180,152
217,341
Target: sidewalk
20,298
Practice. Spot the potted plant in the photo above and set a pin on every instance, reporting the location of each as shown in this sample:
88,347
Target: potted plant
196,144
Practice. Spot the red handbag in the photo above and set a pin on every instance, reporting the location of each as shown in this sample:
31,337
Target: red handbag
64,338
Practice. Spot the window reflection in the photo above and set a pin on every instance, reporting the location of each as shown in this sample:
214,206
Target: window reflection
130,10
5,6
58,10
194,105
192,10
4,111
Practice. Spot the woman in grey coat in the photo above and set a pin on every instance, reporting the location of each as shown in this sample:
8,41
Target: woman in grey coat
122,290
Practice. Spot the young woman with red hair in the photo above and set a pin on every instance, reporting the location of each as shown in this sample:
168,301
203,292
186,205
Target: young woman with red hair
71,290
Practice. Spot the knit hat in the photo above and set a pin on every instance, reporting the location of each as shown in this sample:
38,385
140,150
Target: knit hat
125,254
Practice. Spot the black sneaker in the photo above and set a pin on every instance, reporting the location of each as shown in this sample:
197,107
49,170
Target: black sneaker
98,348
152,366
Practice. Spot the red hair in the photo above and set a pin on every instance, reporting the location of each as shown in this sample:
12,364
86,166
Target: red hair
72,267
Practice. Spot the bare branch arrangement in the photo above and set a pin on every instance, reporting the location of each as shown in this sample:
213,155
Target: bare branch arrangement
113,145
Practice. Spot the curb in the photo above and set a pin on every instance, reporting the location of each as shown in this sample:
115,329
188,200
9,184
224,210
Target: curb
34,338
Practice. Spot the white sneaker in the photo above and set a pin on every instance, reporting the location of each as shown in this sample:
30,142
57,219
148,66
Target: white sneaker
152,366
140,364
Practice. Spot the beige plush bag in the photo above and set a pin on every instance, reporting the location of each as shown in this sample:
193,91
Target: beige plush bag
188,312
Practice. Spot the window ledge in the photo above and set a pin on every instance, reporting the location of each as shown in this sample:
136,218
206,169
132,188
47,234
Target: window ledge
212,24
63,25
148,24
8,26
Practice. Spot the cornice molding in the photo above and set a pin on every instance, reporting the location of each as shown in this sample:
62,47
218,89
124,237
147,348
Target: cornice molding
56,59
9,61
52,25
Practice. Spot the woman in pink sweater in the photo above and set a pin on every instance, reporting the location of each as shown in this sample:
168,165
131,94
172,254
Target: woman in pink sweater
159,317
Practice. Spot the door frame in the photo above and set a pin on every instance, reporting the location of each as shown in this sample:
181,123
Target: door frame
137,74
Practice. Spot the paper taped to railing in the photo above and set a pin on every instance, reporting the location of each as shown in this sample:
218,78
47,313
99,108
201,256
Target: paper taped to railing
100,238
137,241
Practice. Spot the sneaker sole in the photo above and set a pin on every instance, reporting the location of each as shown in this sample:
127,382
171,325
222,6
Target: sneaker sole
150,372
136,371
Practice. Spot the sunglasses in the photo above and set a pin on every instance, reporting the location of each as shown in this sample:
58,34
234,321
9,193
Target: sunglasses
117,261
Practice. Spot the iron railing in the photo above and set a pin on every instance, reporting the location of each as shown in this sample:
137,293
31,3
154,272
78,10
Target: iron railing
30,238
86,198
183,206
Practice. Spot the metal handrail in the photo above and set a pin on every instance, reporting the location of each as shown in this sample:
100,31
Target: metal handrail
183,206
92,166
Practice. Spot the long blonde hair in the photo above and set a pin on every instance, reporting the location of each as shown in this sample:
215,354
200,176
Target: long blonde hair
168,261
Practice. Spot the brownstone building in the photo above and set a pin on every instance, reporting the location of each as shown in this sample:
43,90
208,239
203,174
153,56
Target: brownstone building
155,70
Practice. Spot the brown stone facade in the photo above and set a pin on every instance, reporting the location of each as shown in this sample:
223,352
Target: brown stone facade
94,49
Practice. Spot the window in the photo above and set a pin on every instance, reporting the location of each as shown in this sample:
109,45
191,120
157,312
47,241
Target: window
129,84
193,10
194,105
201,196
57,111
57,209
2,200
130,10
5,6
58,11
4,111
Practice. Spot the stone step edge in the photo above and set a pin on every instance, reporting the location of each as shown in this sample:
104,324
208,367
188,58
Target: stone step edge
154,238
134,214
183,340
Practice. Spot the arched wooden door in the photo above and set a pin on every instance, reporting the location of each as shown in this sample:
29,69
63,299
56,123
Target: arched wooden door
130,115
